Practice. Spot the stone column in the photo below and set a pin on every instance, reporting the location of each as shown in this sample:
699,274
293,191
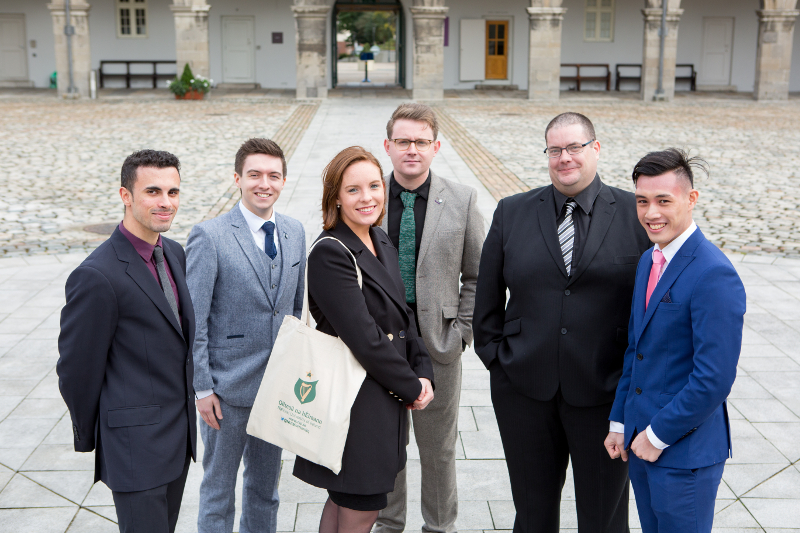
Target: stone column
774,57
544,56
191,35
652,43
311,18
428,16
81,49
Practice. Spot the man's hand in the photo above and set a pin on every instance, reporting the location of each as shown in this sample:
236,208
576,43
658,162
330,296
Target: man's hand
615,445
425,396
644,449
210,410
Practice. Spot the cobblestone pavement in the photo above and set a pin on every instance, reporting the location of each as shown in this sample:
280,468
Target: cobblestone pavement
748,203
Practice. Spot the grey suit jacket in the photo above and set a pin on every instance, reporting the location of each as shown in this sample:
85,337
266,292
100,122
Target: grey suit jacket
450,252
237,321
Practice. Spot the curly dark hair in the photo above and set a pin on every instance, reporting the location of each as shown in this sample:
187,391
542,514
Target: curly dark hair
146,158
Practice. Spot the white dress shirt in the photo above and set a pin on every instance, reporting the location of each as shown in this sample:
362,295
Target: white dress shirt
254,223
669,251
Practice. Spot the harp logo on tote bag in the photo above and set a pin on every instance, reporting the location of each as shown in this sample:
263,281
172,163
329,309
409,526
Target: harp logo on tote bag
305,391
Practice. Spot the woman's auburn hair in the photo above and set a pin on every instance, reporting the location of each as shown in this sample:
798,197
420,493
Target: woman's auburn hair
332,178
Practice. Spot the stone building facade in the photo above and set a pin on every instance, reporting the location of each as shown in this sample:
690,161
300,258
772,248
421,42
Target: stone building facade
742,45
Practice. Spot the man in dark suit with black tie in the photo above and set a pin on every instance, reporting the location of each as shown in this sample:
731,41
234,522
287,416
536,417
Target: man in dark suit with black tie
125,367
567,254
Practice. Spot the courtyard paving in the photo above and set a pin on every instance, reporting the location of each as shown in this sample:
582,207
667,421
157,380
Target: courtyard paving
63,159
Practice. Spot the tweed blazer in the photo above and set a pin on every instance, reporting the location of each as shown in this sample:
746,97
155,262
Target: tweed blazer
237,321
447,266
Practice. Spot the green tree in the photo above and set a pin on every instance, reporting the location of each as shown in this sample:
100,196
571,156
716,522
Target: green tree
368,27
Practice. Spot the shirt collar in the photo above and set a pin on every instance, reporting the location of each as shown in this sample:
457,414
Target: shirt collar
585,199
672,248
395,188
254,222
143,248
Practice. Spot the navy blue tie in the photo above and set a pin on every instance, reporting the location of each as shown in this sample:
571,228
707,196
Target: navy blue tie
269,241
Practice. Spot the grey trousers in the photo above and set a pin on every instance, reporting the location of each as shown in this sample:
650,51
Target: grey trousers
224,451
436,431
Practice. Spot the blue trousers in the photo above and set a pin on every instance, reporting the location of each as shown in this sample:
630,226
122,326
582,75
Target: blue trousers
225,449
673,500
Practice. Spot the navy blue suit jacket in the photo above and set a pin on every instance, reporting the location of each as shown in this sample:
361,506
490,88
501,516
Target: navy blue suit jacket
682,355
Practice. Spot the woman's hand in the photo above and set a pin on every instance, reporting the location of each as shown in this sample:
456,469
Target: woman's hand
425,397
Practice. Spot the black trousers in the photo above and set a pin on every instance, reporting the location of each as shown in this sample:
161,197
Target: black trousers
539,438
154,510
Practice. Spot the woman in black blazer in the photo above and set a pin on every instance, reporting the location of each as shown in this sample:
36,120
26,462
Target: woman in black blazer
377,325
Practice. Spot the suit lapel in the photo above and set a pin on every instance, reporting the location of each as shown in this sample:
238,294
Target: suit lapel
288,248
602,215
241,231
180,285
433,213
681,260
141,275
547,225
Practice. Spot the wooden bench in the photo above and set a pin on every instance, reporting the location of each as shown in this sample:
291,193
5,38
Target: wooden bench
687,71
578,77
153,75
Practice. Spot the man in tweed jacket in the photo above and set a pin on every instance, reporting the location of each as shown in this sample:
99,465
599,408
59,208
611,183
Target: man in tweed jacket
245,271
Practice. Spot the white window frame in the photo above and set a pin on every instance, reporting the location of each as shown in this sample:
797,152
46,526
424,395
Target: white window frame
597,10
132,6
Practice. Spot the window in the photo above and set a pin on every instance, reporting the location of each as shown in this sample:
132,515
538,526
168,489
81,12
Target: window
599,23
131,18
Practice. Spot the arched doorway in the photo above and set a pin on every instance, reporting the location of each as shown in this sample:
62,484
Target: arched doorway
364,26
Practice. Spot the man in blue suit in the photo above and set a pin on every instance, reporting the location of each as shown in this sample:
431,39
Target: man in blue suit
684,338
245,271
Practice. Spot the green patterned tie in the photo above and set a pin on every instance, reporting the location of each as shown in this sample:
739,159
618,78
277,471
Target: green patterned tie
408,246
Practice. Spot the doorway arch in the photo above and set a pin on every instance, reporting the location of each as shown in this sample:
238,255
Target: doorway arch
341,6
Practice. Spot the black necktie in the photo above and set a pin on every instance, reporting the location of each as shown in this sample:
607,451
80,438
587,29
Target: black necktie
269,240
166,286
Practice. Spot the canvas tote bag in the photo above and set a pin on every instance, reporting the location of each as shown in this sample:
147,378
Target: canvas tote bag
309,386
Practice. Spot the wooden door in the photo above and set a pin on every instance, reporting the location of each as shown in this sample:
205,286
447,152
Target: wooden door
496,49
715,68
238,49
13,54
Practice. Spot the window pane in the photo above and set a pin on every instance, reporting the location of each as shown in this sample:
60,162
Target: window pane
591,19
603,3
125,21
492,31
501,31
491,48
140,1
141,22
591,3
605,25
501,48
123,1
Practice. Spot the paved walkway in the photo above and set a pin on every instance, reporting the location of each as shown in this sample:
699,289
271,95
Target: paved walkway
46,487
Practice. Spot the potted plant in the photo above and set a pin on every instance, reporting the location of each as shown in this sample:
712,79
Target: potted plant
189,86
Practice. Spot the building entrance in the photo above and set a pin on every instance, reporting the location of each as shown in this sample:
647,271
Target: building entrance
364,29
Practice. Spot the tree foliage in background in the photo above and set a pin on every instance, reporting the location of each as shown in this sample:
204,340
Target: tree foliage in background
368,27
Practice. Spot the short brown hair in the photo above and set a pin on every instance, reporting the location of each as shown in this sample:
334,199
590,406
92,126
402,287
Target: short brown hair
258,146
332,178
568,119
418,112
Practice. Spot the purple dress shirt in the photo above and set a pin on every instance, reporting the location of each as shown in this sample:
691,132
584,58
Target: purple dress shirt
145,250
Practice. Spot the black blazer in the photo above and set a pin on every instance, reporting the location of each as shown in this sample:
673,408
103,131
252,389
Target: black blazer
125,368
557,330
377,325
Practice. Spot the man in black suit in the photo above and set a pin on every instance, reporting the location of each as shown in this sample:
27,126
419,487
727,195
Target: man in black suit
567,254
125,367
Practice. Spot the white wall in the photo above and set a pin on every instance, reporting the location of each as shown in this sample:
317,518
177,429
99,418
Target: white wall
514,12
39,28
275,63
794,80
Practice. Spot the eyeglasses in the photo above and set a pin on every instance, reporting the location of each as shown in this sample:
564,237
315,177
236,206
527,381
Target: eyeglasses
572,149
405,144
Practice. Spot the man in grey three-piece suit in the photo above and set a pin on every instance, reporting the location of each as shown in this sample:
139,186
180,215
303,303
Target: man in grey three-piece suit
438,231
245,271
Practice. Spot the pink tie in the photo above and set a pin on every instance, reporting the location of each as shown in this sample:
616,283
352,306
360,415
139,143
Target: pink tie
655,272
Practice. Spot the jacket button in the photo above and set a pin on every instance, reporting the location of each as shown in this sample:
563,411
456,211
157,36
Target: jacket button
275,313
273,285
402,334
274,266
563,331
638,390
639,356
567,292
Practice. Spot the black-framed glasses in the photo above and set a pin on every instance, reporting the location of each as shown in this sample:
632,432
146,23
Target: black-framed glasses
405,144
572,149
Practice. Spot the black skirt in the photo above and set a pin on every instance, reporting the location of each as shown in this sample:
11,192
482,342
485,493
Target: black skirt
359,502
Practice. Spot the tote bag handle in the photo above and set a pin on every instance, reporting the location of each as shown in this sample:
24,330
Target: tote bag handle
305,315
